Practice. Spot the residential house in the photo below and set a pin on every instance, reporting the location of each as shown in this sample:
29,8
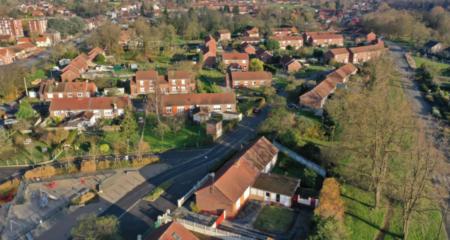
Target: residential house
23,40
290,65
43,41
295,42
236,60
250,79
315,99
51,89
284,31
363,54
231,185
6,56
11,27
223,35
79,65
37,26
210,102
248,48
264,55
339,55
323,39
252,32
101,107
251,40
210,52
175,82
171,231
274,188
22,51
433,47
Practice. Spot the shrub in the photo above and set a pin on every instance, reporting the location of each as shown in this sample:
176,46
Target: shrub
88,166
40,172
331,204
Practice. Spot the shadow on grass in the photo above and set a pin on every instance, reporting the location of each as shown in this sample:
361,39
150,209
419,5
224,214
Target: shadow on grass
358,201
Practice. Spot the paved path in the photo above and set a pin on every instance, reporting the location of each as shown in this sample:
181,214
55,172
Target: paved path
432,127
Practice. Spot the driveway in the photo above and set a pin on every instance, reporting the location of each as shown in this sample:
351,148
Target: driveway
432,127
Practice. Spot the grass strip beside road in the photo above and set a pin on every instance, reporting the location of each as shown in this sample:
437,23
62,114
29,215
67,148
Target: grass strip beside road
158,191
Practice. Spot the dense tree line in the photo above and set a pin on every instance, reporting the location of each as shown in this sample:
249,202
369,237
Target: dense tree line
66,27
416,27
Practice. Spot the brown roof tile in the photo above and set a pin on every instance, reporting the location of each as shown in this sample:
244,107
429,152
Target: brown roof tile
198,99
260,75
171,231
87,104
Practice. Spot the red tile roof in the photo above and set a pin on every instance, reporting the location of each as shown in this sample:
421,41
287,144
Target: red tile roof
171,231
88,104
146,75
235,56
324,35
260,75
369,48
238,174
198,99
338,51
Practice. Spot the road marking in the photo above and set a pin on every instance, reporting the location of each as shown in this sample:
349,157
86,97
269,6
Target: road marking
128,209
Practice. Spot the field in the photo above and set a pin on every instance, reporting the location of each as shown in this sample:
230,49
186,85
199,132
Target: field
438,67
209,81
312,71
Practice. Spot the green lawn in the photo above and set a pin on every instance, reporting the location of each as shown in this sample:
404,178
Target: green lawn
274,219
188,136
311,70
364,222
210,80
438,67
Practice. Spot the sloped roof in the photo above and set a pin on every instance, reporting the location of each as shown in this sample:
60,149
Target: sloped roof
232,179
235,56
146,75
259,75
87,104
338,51
171,231
277,184
198,99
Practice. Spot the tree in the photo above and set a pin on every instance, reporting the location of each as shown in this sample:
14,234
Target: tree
143,147
66,27
128,128
419,167
92,227
100,59
256,65
329,229
161,129
104,148
374,119
25,112
107,37
272,44
331,204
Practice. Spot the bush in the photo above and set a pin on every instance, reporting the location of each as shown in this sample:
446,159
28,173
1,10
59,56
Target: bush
435,112
194,207
88,166
40,172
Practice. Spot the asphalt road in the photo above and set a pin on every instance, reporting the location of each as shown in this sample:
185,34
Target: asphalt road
433,128
187,167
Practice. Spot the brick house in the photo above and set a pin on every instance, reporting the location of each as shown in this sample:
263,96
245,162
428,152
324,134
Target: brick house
6,56
363,54
101,107
264,55
275,188
236,60
223,35
250,79
145,82
339,55
248,48
210,52
43,41
79,65
24,50
210,102
290,65
51,89
252,32
284,31
295,42
251,40
171,231
231,186
323,39
316,98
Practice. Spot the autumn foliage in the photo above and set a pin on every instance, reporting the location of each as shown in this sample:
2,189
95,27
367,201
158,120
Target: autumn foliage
40,172
88,166
331,204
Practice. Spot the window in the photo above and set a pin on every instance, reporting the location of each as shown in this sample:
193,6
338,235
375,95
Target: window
216,107
50,95
183,81
268,194
141,82
107,113
68,95
169,109
80,94
183,88
229,107
180,109
174,82
277,197
174,89
142,90
253,83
